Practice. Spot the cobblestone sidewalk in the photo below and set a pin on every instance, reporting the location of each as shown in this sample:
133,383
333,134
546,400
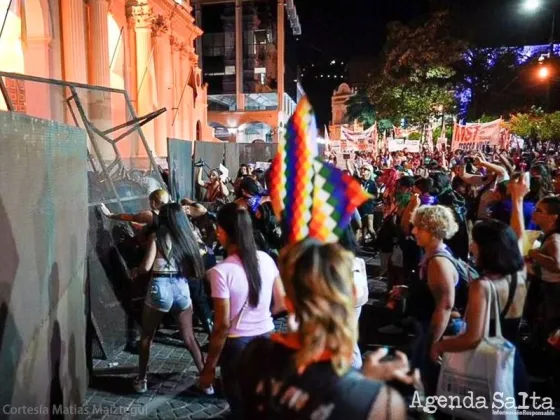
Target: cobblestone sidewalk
111,396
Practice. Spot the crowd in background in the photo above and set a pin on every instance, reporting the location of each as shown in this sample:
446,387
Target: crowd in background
452,229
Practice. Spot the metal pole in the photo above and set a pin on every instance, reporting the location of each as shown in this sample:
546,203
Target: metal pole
5,18
552,30
116,49
550,55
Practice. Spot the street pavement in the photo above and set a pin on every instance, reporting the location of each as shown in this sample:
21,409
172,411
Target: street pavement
110,395
172,372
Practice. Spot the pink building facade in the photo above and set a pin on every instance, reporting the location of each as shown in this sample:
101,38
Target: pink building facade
145,47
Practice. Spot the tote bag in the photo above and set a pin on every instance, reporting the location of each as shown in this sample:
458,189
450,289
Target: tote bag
481,372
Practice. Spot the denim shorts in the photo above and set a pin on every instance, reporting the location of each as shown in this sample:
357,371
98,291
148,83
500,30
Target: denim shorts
167,293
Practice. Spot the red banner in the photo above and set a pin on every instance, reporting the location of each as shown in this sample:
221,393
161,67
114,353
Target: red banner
477,136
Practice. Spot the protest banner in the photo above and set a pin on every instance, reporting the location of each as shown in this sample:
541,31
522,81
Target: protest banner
364,141
477,136
398,145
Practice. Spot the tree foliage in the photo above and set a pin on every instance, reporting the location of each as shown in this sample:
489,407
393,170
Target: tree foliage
414,76
448,132
536,125
360,108
494,81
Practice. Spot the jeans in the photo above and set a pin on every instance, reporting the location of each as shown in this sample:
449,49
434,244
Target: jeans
228,365
201,305
165,293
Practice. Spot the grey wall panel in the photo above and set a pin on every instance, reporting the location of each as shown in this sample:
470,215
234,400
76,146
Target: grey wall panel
257,152
232,159
43,247
180,168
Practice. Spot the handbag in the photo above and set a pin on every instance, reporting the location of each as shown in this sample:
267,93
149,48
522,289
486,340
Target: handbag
477,375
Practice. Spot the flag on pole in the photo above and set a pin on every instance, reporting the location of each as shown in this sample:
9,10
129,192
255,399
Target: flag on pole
311,197
292,173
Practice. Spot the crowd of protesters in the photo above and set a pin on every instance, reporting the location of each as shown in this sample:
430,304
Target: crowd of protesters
448,227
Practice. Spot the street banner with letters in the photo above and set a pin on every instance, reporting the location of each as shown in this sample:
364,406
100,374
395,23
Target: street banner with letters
398,145
365,141
475,136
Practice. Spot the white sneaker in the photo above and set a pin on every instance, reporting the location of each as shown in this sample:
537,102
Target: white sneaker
140,385
207,391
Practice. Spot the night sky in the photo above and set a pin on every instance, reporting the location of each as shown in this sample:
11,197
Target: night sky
336,30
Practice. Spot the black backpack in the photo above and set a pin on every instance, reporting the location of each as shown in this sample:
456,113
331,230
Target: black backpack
267,227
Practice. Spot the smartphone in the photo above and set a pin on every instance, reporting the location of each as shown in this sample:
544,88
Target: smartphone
391,354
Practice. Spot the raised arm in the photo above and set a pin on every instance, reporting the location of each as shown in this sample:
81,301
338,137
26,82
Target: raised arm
144,217
504,159
199,179
480,161
412,206
518,189
224,188
350,167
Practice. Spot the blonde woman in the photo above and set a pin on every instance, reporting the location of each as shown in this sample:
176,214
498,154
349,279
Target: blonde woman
432,296
307,374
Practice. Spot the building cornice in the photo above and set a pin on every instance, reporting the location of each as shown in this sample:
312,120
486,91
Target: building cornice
179,16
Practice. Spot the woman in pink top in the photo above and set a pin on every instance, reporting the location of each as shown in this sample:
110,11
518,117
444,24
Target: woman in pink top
243,287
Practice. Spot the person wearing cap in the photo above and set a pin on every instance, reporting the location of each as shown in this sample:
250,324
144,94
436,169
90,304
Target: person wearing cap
367,209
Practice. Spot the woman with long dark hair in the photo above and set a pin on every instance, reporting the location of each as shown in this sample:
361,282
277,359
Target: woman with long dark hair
243,287
173,256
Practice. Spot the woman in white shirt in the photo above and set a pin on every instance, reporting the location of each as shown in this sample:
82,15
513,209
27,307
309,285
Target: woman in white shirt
361,291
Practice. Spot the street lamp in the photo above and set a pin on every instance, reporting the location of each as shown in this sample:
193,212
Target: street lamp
544,72
531,5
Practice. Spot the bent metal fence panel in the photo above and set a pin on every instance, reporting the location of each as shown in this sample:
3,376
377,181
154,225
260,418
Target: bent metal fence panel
121,173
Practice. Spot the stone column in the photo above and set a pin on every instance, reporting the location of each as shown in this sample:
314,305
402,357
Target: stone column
280,46
177,88
99,107
186,102
98,43
164,78
37,63
240,98
74,40
142,15
132,79
74,62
